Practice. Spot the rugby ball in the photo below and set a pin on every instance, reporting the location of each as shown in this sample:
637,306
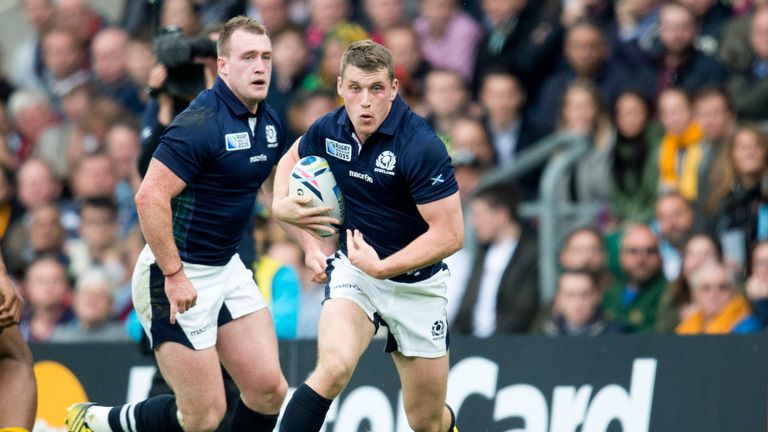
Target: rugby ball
312,176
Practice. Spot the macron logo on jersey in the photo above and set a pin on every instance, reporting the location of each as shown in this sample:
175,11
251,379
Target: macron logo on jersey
237,141
338,150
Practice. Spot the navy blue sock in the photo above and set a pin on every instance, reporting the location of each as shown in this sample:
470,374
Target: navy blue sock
157,414
453,418
245,419
305,412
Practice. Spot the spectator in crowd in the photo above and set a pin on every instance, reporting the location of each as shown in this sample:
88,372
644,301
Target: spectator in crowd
98,244
139,62
92,304
586,58
278,281
676,221
711,16
582,113
290,65
719,308
73,130
274,14
584,250
502,295
471,153
93,177
181,14
600,12
336,41
519,40
80,18
737,207
308,107
502,98
41,234
674,59
713,111
30,113
472,156
447,97
324,16
634,166
37,184
676,304
680,150
448,36
48,297
757,282
65,63
384,15
109,55
577,302
123,146
637,22
410,67
633,298
748,82
26,65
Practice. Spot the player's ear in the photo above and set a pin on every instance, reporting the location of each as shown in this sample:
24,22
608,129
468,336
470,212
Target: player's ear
338,86
395,86
222,66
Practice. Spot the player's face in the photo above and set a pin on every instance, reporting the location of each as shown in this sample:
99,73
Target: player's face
247,67
367,98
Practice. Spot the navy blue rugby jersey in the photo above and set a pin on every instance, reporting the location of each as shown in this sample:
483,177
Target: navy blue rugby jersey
401,165
223,161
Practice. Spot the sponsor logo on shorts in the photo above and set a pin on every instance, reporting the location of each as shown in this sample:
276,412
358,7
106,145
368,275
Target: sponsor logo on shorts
237,141
361,176
200,331
338,150
347,286
438,330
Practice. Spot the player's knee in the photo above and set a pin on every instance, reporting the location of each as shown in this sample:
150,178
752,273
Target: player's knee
205,418
269,396
336,372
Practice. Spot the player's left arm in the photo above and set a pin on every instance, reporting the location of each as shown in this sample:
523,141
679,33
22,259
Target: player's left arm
444,236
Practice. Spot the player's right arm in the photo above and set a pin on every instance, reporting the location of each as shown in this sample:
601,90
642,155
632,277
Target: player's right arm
300,221
153,205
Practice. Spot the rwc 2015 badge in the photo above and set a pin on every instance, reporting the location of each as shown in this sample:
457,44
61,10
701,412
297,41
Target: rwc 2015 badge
338,150
237,141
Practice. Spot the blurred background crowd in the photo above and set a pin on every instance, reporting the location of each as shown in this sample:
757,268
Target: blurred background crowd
670,97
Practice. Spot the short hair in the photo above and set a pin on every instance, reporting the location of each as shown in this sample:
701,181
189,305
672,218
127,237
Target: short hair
501,195
714,91
25,98
241,22
100,203
95,275
707,267
593,278
368,56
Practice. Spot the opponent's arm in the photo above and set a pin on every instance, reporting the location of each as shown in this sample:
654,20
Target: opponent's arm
10,301
444,236
153,204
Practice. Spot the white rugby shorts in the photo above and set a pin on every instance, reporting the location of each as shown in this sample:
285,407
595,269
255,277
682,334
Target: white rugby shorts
224,293
414,312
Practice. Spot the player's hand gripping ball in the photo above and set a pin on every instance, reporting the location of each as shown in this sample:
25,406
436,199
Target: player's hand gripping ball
312,176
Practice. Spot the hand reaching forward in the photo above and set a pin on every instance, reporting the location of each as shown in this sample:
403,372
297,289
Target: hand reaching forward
295,211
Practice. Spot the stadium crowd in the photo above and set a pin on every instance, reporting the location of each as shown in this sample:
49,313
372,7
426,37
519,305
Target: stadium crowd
672,97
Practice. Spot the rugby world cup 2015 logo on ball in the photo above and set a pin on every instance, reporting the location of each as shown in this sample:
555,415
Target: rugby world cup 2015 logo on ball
312,176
